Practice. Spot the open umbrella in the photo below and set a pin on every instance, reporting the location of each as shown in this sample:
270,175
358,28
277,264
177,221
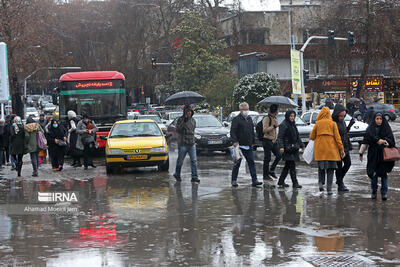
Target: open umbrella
353,100
184,98
282,101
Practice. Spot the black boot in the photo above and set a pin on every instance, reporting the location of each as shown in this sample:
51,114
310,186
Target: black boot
266,172
19,168
293,176
281,181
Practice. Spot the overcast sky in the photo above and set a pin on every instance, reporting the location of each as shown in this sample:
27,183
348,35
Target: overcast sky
257,5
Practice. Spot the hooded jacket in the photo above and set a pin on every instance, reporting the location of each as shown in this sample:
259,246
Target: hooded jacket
343,129
327,138
17,139
185,128
289,136
31,131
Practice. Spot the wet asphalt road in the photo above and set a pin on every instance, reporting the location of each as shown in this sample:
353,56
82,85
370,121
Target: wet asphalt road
143,218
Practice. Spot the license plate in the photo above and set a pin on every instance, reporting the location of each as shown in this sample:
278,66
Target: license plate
215,142
137,156
304,140
355,139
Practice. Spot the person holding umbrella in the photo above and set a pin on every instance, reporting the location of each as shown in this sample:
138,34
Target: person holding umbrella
185,127
242,135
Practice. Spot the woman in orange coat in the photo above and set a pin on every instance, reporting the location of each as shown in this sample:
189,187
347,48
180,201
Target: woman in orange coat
328,147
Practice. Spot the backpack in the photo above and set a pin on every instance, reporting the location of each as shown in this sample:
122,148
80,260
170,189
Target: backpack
259,128
41,140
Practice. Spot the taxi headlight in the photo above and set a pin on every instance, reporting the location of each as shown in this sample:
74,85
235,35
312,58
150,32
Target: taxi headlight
115,151
158,149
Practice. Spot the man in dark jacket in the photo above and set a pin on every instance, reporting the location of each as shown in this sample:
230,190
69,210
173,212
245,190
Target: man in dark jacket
42,121
242,135
339,113
185,127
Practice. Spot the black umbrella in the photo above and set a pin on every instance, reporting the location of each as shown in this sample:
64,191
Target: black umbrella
353,100
184,98
279,100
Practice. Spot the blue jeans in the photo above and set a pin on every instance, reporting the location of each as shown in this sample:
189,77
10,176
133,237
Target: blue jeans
182,151
374,182
249,156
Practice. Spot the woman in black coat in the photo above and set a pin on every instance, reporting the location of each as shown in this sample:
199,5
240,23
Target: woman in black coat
56,140
378,136
289,143
17,143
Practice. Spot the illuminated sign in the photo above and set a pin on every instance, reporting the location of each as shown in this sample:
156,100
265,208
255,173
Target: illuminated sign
334,83
93,84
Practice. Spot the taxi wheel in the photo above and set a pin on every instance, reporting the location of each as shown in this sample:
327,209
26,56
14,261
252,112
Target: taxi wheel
109,169
164,167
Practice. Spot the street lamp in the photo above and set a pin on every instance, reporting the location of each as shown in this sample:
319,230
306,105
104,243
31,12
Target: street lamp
43,68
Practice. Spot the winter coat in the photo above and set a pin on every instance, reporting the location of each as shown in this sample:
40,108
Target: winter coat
289,136
80,128
31,132
42,123
343,129
55,133
185,127
17,140
327,138
269,129
73,137
242,130
375,151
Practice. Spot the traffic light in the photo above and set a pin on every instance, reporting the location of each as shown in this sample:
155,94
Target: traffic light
306,77
350,39
331,37
153,63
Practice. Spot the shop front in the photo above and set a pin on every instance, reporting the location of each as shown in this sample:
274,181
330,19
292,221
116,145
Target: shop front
391,89
336,90
372,90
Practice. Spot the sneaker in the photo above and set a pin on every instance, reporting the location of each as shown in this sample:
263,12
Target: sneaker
35,174
283,185
273,175
330,192
384,197
321,187
234,184
195,180
86,167
297,186
178,178
255,184
373,195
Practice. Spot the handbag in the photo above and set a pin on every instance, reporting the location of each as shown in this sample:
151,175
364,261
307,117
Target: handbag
62,143
391,154
88,139
308,154
41,140
292,148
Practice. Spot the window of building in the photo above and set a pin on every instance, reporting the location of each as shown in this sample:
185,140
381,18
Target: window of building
256,37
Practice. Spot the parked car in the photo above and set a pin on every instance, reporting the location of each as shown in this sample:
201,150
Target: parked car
303,128
171,116
228,121
155,118
389,111
136,143
32,111
49,108
210,134
132,115
357,131
142,108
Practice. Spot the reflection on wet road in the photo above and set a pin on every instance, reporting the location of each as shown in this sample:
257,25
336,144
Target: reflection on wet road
144,218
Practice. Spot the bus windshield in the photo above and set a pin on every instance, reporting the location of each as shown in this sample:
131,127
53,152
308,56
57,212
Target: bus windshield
98,99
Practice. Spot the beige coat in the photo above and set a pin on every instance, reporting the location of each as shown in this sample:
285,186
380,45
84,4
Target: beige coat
269,130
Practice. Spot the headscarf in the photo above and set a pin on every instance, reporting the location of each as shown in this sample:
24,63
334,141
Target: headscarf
383,129
292,128
71,114
324,114
18,122
30,120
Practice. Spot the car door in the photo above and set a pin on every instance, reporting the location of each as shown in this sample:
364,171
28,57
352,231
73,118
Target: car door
307,117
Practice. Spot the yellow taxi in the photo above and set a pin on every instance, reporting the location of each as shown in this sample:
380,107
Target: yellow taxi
136,143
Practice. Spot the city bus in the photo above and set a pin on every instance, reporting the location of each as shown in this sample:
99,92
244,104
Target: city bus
100,94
